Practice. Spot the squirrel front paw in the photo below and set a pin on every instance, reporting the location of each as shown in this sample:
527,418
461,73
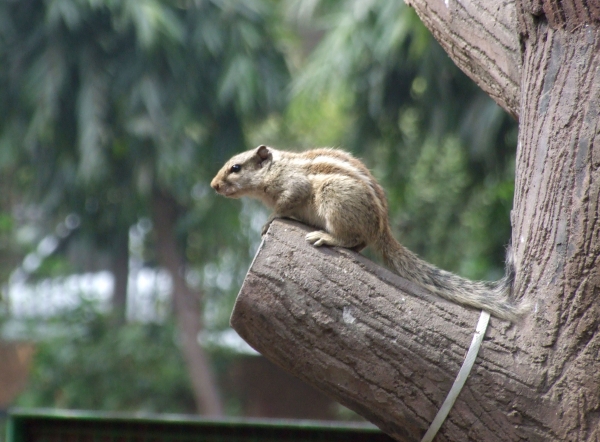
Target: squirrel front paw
320,238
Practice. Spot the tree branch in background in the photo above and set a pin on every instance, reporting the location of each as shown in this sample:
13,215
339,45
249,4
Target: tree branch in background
120,272
481,38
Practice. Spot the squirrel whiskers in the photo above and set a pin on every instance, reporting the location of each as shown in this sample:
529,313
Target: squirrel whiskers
331,190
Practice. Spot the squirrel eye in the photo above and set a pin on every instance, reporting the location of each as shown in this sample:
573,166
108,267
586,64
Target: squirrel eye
235,168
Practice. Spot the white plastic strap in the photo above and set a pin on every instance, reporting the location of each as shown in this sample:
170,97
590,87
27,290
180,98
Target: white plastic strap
461,378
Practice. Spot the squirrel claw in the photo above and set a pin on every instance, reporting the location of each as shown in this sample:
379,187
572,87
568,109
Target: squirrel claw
266,226
263,232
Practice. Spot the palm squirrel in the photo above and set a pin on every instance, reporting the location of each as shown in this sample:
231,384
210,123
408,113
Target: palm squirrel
331,190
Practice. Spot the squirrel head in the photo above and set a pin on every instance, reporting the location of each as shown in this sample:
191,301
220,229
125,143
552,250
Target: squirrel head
242,174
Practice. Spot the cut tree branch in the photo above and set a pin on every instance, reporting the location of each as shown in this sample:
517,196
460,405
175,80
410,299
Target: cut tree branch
377,343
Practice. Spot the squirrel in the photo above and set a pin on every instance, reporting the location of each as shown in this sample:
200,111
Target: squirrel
331,190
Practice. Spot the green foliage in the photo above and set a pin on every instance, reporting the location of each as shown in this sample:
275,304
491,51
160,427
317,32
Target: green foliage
91,364
111,98
102,101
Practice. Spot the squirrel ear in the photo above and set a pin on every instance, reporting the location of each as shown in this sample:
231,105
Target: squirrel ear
263,152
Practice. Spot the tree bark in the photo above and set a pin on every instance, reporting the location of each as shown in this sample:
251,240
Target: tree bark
374,345
556,211
187,306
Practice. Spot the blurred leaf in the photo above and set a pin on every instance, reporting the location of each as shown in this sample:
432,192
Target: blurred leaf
102,102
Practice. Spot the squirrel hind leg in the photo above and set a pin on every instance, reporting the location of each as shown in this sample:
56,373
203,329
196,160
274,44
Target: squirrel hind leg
346,212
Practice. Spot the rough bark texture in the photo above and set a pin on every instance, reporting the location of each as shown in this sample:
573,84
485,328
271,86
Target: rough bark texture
481,37
373,342
556,217
569,14
187,306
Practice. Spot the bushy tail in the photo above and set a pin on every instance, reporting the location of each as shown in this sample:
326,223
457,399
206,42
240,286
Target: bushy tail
494,297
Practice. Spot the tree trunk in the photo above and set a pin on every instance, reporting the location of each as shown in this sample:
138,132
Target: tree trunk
120,272
556,213
187,306
392,356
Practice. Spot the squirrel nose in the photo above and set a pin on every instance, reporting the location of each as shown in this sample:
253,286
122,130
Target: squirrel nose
215,185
